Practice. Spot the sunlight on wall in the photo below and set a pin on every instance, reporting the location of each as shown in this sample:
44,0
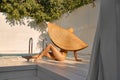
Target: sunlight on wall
15,39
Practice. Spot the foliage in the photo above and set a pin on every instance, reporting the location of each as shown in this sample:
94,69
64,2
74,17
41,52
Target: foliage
39,10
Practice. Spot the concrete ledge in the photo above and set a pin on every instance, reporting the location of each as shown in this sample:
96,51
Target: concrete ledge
17,68
28,72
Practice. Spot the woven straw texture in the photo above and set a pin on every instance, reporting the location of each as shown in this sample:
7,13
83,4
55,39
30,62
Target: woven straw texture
65,39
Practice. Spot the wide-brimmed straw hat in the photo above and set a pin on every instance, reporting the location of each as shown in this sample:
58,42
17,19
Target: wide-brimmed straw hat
64,38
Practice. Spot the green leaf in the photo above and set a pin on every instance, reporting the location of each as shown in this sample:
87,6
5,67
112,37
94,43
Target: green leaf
39,10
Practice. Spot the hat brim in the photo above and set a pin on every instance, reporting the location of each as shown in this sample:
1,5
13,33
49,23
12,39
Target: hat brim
65,39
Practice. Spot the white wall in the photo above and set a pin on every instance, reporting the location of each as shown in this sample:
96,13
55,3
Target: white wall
15,39
83,20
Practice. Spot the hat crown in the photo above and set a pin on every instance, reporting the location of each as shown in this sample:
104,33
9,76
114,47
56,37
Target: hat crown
70,30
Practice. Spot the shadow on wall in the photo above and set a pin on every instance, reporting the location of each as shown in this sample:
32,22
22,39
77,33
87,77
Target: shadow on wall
84,21
16,38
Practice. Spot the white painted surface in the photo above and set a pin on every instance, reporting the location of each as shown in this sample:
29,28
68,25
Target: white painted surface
84,21
15,39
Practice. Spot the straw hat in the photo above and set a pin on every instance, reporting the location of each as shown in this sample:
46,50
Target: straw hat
64,38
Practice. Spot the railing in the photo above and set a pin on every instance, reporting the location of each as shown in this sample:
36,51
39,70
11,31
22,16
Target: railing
30,50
